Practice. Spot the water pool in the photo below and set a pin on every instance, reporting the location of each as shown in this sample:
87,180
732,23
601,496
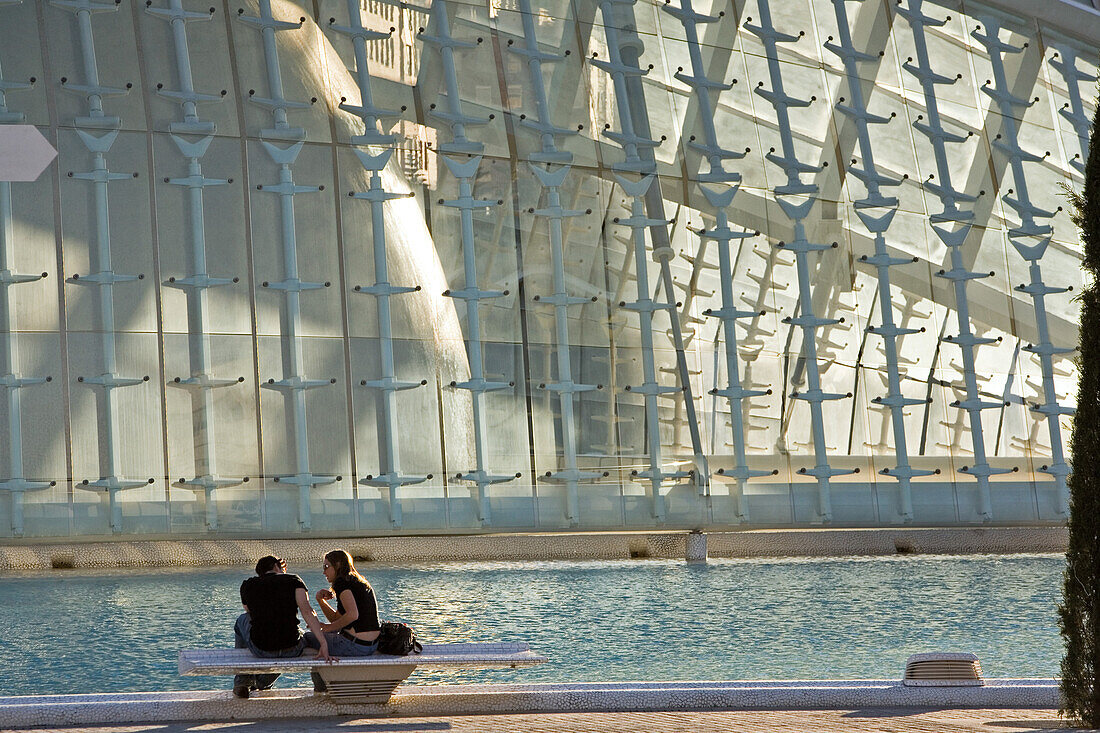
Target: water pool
840,618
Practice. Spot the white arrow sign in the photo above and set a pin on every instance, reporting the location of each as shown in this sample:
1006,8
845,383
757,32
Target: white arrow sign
24,153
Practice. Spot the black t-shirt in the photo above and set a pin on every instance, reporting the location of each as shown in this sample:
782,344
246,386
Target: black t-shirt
273,608
364,602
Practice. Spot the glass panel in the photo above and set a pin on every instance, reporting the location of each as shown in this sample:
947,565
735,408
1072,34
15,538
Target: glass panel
308,252
210,231
114,49
34,245
37,441
124,218
226,436
301,55
21,61
209,68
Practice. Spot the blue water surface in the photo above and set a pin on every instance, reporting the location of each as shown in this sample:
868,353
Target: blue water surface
67,631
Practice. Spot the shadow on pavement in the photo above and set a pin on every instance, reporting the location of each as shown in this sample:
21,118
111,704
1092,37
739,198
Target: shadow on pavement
888,712
1035,726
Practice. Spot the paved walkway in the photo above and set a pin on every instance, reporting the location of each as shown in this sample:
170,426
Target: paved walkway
871,720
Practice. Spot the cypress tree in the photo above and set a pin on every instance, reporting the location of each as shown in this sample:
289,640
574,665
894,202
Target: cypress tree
1079,613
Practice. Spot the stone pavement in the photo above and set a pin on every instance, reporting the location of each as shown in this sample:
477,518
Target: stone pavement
869,720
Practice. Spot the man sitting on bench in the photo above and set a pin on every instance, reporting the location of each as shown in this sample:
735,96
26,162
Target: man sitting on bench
269,625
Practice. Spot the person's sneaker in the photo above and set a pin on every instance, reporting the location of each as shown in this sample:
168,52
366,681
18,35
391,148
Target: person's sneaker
240,691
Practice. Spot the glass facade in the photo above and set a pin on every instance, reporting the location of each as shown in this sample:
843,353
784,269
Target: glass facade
446,266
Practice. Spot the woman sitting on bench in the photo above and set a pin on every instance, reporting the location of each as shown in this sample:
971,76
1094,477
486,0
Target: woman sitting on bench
353,627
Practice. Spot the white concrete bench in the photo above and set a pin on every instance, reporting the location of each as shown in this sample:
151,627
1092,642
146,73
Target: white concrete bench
360,679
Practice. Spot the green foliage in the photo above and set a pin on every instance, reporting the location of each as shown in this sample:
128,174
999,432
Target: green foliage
1079,613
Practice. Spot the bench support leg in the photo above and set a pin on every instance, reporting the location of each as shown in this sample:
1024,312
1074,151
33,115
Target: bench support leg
352,685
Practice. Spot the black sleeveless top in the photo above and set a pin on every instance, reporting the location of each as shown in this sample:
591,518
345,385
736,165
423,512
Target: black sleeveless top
364,601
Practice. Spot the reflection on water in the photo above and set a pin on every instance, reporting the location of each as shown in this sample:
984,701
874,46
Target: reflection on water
846,618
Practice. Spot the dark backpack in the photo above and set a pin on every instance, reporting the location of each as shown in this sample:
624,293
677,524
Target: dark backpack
398,639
